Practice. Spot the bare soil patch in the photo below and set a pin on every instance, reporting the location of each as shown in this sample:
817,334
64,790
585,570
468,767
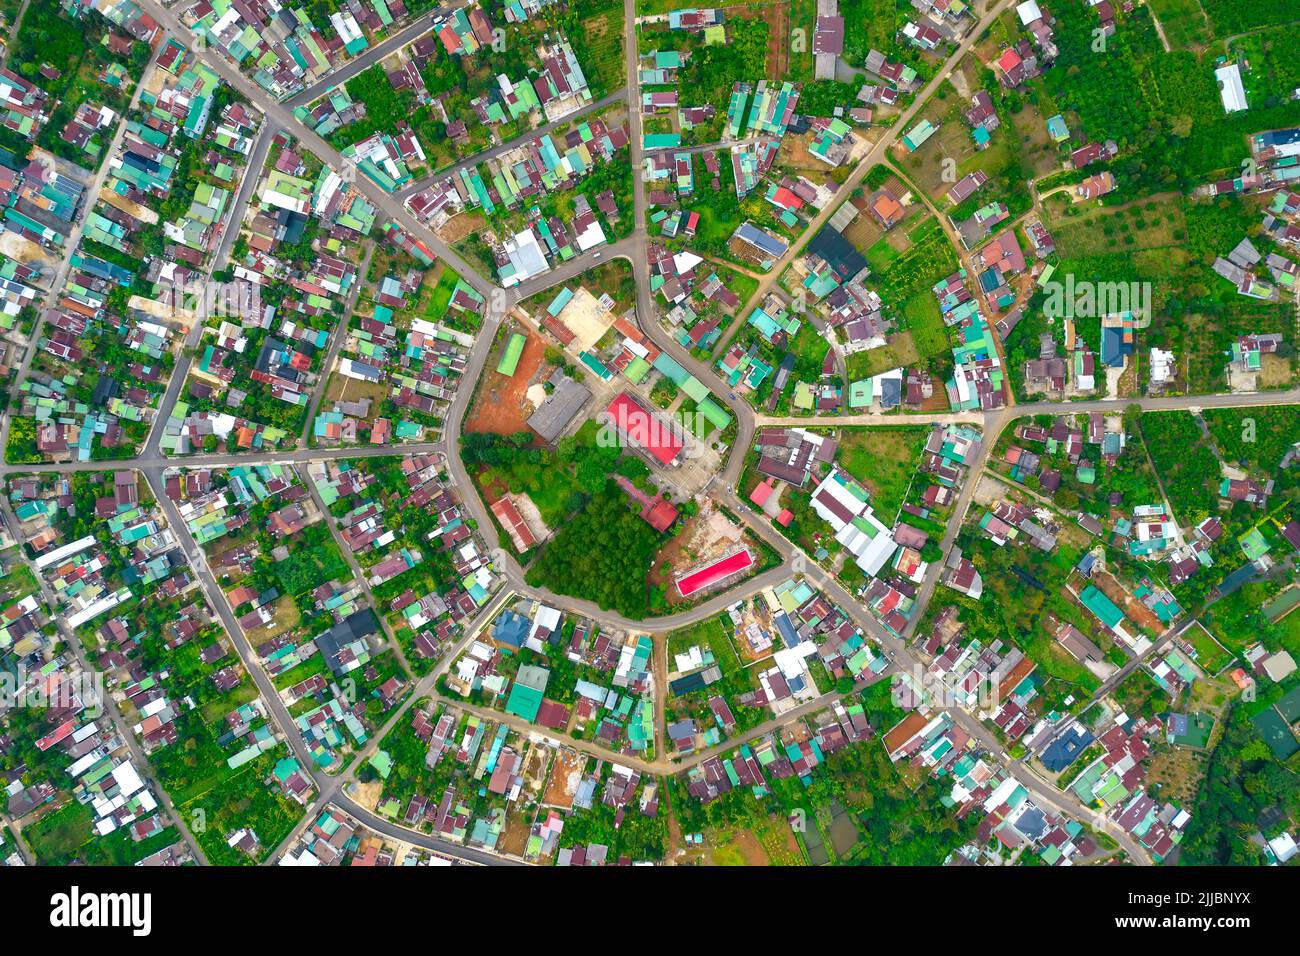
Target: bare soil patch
499,407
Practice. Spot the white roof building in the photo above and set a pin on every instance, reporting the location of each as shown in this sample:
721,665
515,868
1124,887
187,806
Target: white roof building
1283,847
1279,666
526,256
1029,12
592,236
1162,366
845,506
1231,91
546,618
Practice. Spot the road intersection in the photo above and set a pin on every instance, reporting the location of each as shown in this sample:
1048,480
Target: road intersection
500,304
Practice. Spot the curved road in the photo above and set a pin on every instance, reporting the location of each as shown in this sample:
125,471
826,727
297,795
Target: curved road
500,302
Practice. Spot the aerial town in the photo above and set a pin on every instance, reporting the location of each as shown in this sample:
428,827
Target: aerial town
596,433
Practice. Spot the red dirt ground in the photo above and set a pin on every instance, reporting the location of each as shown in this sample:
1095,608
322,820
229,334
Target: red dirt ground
778,39
499,406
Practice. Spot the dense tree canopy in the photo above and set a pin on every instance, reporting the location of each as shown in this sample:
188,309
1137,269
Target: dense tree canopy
1244,779
602,555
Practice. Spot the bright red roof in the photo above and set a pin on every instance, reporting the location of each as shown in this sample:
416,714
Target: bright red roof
661,516
715,572
638,426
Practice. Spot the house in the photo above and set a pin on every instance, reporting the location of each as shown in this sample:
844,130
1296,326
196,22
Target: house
1094,187
887,209
828,41
1091,153
966,186
845,506
644,430
757,245
1231,91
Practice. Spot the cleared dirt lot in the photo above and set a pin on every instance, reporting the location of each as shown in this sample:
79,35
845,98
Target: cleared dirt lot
566,774
499,407
458,227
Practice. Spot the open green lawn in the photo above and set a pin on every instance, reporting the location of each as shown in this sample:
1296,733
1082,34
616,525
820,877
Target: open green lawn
1211,656
440,297
67,836
742,285
930,259
810,351
881,255
20,581
883,460
924,321
1236,620
1183,22
1154,222
899,353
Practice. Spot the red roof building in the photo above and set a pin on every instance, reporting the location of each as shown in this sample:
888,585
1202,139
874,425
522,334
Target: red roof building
711,574
642,429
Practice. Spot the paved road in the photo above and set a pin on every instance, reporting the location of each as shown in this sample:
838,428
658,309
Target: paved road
370,57
500,302
618,96
71,245
338,335
874,155
281,114
887,419
252,171
108,704
271,697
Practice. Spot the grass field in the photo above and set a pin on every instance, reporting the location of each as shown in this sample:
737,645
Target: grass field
810,350
19,581
1236,16
67,836
1211,656
803,16
1150,223
742,285
440,297
899,353
881,255
925,323
884,460
930,258
603,39
1183,22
